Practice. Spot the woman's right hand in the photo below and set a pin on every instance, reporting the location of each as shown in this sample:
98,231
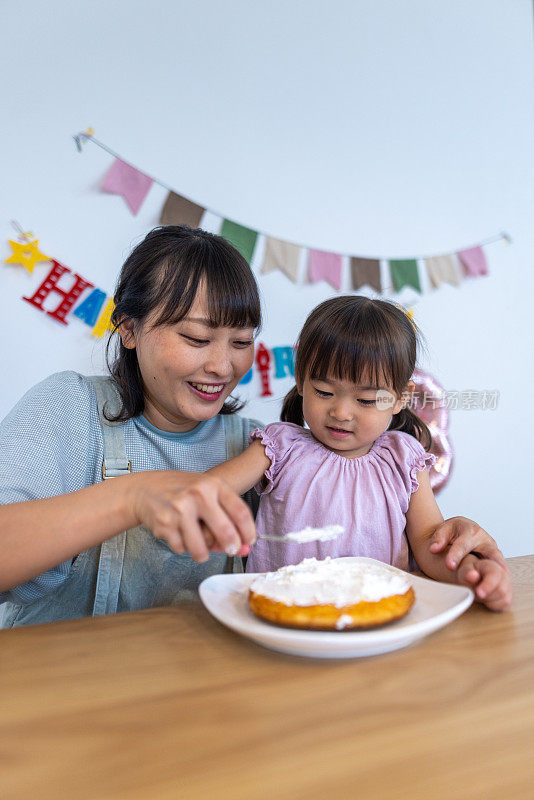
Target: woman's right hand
192,512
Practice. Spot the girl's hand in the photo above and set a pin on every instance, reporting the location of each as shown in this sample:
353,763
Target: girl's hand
463,536
490,582
190,517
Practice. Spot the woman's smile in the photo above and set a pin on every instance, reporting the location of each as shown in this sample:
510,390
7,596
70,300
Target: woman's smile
207,391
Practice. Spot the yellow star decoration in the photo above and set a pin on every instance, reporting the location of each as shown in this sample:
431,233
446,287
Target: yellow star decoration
27,254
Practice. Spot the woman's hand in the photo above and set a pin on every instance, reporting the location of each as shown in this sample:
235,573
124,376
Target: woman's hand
463,536
488,579
201,515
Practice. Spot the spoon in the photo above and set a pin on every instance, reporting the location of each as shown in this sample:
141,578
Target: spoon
307,535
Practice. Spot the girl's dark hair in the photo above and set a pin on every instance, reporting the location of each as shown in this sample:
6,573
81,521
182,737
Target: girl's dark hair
361,340
161,277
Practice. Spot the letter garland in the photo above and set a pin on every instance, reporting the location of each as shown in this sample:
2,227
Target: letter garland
93,310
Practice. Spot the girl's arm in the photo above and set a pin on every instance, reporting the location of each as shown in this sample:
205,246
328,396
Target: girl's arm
489,580
244,471
36,535
422,519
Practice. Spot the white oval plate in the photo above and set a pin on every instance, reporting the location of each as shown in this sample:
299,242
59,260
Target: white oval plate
436,604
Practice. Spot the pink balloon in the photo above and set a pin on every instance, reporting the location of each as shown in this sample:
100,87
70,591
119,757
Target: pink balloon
429,400
442,449
429,404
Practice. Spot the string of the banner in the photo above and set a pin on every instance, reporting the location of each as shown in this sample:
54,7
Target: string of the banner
79,138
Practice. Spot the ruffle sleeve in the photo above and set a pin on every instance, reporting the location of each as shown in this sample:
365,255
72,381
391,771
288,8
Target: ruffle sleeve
408,454
279,439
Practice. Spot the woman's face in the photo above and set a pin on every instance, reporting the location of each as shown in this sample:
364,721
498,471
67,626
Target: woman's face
188,367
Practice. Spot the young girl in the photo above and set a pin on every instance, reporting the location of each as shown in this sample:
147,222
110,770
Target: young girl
362,463
75,543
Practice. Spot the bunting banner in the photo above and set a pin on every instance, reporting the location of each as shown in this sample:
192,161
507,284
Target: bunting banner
127,181
365,272
179,210
281,255
404,272
243,239
473,261
453,267
442,269
324,266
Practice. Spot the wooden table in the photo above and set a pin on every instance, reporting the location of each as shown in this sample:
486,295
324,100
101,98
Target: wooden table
167,703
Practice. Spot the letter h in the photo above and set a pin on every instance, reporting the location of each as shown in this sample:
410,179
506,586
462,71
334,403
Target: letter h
50,285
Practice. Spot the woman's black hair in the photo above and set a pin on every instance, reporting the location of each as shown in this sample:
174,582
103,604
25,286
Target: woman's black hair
160,278
360,340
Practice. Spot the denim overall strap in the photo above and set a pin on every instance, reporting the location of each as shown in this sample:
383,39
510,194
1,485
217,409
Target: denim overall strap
236,432
115,463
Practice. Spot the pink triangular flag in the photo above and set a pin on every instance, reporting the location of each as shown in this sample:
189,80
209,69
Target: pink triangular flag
121,178
324,266
474,261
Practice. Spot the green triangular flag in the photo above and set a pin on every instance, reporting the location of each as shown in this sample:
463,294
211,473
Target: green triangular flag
243,239
404,272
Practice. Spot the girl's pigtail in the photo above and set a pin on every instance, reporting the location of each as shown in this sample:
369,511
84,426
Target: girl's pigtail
292,408
408,422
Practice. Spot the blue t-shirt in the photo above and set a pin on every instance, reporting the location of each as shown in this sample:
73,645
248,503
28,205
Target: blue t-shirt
51,443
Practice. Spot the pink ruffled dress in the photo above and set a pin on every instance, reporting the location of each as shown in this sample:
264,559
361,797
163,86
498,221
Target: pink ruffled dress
307,484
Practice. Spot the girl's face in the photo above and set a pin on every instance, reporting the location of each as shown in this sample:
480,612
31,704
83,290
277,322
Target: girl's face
347,418
188,368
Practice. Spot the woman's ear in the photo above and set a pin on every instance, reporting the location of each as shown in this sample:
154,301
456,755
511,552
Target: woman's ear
127,333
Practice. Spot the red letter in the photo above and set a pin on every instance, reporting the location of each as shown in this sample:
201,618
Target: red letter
50,285
263,362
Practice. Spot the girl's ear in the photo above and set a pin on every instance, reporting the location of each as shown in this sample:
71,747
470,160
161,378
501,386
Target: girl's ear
127,333
299,386
405,398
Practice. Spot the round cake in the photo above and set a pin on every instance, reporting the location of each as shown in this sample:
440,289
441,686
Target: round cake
332,595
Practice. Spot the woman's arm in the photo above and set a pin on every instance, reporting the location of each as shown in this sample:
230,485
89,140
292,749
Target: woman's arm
179,507
244,471
459,536
489,580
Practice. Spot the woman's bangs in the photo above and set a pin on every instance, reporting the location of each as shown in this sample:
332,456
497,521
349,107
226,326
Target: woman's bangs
233,301
176,296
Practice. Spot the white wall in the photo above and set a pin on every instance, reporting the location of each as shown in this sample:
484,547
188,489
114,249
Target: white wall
389,129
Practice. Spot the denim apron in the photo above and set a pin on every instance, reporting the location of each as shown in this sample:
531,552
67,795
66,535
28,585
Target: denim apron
133,570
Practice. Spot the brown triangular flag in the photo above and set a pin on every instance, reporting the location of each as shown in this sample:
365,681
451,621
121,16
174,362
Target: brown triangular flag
283,256
365,271
442,269
179,210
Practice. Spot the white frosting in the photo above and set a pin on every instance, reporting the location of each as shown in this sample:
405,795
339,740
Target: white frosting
332,581
344,621
314,534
